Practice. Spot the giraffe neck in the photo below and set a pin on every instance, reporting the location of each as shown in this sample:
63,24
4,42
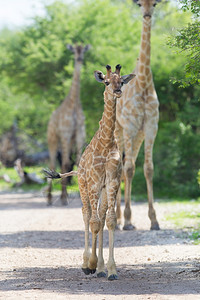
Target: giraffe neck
74,93
107,123
145,52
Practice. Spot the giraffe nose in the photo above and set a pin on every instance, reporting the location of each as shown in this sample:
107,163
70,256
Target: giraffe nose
118,92
147,15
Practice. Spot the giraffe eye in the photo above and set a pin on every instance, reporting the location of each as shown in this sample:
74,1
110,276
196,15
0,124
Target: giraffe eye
139,4
154,4
107,83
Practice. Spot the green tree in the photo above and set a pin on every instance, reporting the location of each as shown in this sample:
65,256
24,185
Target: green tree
187,41
36,71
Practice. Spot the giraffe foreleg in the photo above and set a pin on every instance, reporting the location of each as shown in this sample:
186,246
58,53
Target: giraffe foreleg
111,222
112,186
102,214
86,255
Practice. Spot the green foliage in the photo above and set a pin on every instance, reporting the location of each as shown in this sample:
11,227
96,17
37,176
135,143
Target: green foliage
193,5
198,177
187,41
36,71
7,113
188,220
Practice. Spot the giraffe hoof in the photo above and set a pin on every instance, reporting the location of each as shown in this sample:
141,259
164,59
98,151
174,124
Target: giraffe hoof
88,271
64,202
155,226
101,274
113,277
118,227
129,227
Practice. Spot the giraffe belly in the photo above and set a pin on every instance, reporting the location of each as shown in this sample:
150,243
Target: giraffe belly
131,113
132,123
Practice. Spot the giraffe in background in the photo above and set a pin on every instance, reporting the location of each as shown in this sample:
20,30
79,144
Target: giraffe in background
137,121
66,128
99,174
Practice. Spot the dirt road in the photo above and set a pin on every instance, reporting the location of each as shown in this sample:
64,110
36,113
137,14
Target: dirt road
41,254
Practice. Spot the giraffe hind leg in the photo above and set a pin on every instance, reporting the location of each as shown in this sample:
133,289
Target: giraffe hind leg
86,212
52,145
129,172
148,172
49,194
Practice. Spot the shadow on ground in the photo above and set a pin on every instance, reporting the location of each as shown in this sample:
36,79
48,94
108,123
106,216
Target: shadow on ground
75,239
162,278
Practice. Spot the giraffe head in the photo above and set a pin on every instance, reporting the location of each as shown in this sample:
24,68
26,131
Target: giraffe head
78,51
147,6
113,81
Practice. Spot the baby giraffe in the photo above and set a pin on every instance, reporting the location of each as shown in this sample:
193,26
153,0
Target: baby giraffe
99,175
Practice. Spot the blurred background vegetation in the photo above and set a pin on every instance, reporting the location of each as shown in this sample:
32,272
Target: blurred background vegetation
36,72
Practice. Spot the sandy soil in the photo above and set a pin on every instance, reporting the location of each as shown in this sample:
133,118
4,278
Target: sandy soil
41,254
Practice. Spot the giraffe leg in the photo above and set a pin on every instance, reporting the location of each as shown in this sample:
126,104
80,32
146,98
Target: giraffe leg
102,214
63,196
52,145
118,210
113,176
129,170
66,147
86,212
49,194
119,138
111,220
80,139
148,172
95,225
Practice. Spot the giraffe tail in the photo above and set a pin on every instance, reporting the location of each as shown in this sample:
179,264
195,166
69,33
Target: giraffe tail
55,175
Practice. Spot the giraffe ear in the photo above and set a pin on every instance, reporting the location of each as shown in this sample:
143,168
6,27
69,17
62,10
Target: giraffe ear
158,0
135,1
127,78
99,76
70,47
87,47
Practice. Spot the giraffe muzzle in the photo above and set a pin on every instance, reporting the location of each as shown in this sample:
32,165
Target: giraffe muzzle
118,93
147,15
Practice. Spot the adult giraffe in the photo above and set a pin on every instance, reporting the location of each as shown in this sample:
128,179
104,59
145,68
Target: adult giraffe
137,121
66,125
